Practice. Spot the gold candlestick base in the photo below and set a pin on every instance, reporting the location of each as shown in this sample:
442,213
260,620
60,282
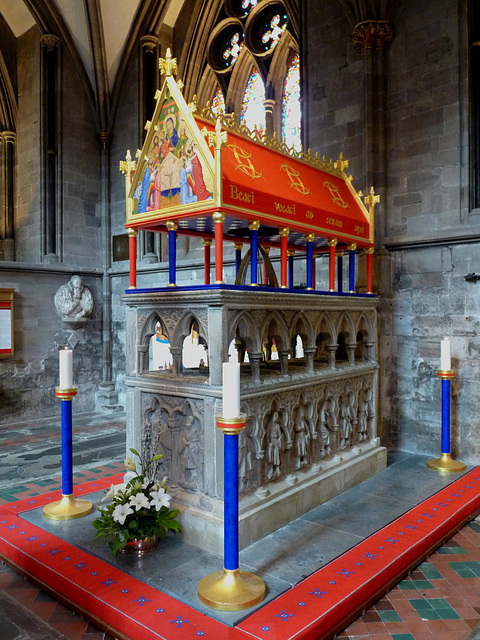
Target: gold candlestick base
445,463
231,590
67,508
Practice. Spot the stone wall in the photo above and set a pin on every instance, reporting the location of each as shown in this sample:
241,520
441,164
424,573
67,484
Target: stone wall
430,232
28,380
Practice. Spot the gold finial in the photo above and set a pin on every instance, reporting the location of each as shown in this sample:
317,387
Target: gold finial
180,84
147,125
218,138
372,199
193,104
341,164
157,95
127,165
168,65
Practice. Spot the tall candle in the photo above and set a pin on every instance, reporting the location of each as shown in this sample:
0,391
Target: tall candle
66,368
231,390
445,361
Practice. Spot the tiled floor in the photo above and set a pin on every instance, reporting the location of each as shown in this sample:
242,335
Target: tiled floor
440,600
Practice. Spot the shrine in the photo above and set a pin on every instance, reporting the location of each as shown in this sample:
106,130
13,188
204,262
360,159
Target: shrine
309,371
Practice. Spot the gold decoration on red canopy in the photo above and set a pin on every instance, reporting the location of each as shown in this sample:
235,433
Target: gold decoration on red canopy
295,181
335,193
244,162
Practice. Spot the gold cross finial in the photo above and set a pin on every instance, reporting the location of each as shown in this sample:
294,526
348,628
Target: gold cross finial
341,164
218,138
193,104
372,199
168,65
127,165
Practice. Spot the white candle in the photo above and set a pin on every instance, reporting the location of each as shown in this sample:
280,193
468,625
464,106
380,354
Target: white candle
66,368
231,390
445,362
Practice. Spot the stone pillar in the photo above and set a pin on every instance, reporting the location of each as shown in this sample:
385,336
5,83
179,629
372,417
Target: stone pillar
7,189
369,38
269,105
51,147
149,85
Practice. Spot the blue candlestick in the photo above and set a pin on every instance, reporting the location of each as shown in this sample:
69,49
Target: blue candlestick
231,589
68,507
230,538
445,462
67,455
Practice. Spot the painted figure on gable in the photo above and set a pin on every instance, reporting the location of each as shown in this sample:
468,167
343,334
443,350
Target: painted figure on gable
174,172
171,132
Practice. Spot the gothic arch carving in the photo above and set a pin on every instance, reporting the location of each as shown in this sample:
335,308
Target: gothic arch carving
184,327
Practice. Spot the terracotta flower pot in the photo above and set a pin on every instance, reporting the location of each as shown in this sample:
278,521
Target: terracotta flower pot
139,547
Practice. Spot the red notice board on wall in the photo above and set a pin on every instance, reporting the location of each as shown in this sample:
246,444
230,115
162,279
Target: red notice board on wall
6,323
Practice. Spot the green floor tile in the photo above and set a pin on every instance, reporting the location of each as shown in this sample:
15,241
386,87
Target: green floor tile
389,616
469,569
454,551
45,483
423,584
434,609
420,604
474,526
430,572
19,489
402,636
404,585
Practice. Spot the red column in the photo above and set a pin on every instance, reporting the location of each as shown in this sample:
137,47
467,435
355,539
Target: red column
331,264
132,255
369,253
283,257
218,219
207,243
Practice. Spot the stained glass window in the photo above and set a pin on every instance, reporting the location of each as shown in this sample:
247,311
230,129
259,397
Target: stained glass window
248,5
218,101
253,110
232,49
291,114
275,29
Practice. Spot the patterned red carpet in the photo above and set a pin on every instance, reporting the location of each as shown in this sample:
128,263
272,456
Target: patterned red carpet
439,600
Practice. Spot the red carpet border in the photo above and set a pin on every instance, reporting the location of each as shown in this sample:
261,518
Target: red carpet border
308,611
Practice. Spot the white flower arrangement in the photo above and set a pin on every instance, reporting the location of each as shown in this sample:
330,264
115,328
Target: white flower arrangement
139,508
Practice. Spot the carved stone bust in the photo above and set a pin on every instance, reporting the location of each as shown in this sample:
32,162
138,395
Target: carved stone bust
74,301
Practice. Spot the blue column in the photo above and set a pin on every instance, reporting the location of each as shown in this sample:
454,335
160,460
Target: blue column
340,272
67,457
230,470
309,237
351,267
172,253
290,269
238,257
254,226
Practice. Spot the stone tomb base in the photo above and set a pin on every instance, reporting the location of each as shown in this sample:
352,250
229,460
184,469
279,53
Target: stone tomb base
310,412
268,509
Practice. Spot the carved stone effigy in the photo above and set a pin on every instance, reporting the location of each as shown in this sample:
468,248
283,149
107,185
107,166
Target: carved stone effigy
311,420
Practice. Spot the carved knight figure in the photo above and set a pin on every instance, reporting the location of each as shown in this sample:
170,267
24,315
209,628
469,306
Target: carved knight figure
274,446
302,438
191,456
